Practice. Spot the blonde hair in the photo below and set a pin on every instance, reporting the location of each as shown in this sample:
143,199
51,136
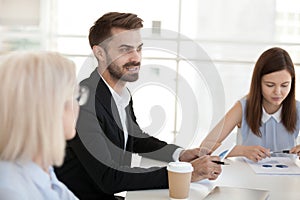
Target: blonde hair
34,89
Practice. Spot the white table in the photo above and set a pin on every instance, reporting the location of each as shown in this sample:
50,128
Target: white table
237,174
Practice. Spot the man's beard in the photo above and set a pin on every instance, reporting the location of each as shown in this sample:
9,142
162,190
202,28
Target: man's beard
116,72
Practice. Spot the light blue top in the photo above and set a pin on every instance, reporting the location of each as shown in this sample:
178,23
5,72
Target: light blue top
274,135
27,181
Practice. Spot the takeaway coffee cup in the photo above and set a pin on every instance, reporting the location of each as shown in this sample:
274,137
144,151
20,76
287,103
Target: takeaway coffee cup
179,175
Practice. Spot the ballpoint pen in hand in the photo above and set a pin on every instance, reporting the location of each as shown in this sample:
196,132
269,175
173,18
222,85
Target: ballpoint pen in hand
282,151
220,162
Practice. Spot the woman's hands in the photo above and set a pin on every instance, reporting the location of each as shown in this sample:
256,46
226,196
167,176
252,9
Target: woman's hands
254,153
296,150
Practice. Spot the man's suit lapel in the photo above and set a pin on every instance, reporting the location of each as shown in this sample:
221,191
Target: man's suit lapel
104,96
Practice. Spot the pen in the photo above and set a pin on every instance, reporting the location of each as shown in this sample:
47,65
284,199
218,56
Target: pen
282,151
219,162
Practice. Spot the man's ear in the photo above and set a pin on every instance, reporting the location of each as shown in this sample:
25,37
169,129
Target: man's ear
99,52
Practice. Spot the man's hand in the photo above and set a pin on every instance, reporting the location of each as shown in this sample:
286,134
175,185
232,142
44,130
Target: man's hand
205,168
189,155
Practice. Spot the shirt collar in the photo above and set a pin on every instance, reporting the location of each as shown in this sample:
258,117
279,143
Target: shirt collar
122,99
276,115
36,173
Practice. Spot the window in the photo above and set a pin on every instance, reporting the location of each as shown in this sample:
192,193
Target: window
232,34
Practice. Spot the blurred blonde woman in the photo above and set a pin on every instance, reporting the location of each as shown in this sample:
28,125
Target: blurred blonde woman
37,114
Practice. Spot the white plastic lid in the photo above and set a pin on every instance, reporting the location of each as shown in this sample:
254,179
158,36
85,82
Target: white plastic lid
181,167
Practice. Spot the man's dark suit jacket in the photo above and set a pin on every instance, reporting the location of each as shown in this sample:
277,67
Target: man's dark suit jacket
96,165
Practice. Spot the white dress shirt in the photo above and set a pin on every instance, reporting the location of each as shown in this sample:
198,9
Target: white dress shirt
122,101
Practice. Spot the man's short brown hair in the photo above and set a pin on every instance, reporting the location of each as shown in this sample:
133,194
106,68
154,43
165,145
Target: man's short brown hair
101,30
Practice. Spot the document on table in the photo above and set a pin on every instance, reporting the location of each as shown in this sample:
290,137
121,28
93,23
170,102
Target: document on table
275,166
223,152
